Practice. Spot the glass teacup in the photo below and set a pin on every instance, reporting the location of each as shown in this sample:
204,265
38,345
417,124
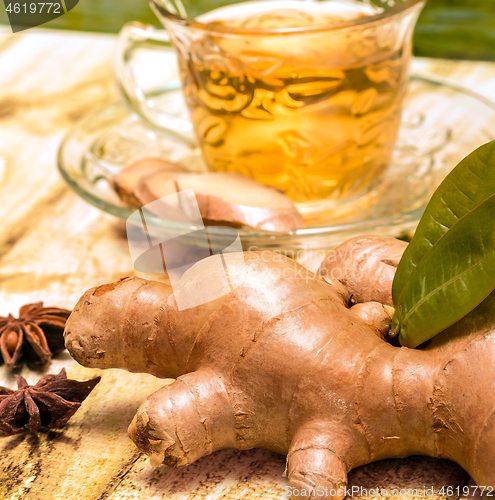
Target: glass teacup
302,95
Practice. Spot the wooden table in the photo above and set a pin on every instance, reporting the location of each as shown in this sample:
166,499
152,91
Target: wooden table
53,246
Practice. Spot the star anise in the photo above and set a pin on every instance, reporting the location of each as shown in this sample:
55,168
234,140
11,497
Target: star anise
49,403
32,337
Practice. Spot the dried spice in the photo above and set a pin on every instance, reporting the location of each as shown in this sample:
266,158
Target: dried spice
49,403
32,337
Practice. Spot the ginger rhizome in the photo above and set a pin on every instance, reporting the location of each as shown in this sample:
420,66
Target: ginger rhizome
287,362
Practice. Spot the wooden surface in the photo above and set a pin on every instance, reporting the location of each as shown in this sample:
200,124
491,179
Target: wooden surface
53,246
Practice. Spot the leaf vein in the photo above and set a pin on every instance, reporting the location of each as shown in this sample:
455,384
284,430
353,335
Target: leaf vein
444,235
444,285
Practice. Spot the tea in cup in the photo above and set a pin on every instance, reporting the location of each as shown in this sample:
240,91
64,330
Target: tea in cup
304,96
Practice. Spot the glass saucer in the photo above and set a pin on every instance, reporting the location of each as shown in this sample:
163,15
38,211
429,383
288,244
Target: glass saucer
441,124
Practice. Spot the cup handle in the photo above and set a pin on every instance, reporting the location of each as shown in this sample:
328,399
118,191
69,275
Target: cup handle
133,36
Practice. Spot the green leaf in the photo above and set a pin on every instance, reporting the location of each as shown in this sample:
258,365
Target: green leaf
449,266
468,185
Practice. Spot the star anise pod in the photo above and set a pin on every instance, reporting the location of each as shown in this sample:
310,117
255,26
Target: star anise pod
32,337
49,403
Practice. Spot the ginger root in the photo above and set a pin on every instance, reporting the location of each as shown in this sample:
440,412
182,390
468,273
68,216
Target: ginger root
283,363
366,266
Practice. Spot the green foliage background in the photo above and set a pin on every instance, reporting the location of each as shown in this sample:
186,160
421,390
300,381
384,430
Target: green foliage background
462,29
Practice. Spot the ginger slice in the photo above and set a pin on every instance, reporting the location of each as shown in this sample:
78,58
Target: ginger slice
126,181
228,197
155,186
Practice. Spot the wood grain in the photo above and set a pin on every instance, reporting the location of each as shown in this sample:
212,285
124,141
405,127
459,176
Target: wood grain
53,246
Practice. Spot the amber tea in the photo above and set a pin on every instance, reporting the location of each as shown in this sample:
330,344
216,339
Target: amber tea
303,95
314,112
